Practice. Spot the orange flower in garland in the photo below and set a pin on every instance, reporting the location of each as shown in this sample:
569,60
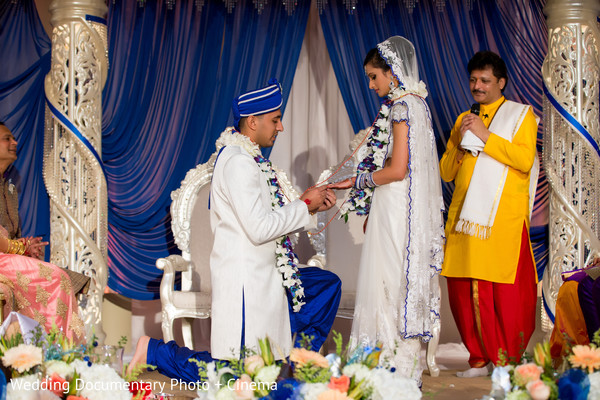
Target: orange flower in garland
585,357
303,357
340,384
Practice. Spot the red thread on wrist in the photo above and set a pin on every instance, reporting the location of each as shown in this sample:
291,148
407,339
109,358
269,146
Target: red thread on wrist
307,201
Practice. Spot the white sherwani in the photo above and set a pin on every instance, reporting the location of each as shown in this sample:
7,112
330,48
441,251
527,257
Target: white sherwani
243,261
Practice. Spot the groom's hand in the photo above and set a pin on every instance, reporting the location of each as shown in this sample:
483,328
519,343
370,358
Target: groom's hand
329,201
314,198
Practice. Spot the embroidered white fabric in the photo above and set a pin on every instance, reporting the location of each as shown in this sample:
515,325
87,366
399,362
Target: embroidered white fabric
398,298
399,54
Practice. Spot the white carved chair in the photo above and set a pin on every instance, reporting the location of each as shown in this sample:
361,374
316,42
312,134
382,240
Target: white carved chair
319,243
190,225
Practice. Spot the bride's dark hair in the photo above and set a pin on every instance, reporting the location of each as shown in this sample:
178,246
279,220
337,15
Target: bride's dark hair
374,58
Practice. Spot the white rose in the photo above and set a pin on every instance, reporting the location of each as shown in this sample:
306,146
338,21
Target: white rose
379,157
267,374
385,110
594,385
358,370
381,123
225,394
13,392
61,368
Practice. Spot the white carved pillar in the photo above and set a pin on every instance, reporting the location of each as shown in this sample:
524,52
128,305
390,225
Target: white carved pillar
571,156
73,171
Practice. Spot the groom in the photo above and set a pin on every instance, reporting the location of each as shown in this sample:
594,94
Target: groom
257,289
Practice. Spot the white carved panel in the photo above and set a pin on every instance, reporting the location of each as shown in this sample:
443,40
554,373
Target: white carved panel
73,175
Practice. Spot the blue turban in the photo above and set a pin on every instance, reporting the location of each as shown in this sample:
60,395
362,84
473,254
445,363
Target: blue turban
257,102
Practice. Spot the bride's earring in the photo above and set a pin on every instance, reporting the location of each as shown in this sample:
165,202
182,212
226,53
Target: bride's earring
392,86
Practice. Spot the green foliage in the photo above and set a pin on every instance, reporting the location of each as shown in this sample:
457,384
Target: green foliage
122,342
339,346
136,372
596,338
312,373
9,342
306,340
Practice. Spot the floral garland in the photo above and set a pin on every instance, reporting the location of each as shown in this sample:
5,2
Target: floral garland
359,200
305,375
287,260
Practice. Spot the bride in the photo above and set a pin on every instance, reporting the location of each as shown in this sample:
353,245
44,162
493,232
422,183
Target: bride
398,186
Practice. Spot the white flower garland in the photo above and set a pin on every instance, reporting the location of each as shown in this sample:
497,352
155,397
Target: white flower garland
287,261
359,200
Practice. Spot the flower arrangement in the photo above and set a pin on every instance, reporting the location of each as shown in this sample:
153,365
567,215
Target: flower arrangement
54,367
307,375
578,376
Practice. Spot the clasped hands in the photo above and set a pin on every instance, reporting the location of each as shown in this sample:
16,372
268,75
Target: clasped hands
34,247
319,198
472,122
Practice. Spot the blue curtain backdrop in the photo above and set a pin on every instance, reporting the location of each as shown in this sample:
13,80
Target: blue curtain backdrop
168,97
25,49
444,42
173,74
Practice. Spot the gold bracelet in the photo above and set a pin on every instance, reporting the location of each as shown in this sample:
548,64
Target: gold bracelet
21,247
15,247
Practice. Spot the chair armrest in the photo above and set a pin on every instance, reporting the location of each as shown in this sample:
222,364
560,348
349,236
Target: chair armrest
173,263
318,260
170,265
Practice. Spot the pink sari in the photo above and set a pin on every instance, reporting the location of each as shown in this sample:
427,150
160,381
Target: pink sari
41,291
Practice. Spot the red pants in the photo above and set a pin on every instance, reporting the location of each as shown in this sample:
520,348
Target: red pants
496,316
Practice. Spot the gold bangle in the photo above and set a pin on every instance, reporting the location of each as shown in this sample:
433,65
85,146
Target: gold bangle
15,247
21,246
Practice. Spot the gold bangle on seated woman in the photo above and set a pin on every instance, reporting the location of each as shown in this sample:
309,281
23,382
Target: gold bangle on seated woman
15,247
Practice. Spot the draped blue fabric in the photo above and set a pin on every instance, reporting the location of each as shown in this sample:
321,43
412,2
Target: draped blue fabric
25,49
444,42
172,78
173,74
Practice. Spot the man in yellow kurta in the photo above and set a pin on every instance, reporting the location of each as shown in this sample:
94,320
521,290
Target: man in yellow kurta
488,258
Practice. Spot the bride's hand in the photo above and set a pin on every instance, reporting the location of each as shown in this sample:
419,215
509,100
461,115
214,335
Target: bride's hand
341,185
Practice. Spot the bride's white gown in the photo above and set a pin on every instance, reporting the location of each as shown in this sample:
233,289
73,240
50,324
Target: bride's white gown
398,289
380,312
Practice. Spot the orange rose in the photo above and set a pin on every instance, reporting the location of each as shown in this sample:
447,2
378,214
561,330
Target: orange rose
526,373
341,384
538,390
303,357
253,364
243,387
57,385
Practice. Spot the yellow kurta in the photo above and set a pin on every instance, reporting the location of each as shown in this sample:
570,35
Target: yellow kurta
494,259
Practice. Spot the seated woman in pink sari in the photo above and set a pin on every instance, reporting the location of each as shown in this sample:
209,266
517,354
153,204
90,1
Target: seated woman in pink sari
34,288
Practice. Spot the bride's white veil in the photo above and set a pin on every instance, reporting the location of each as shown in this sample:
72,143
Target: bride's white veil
399,53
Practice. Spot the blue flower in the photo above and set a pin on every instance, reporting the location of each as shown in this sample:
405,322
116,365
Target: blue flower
574,384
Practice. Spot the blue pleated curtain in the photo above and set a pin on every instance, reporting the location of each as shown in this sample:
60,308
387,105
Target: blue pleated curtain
25,51
173,74
444,42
